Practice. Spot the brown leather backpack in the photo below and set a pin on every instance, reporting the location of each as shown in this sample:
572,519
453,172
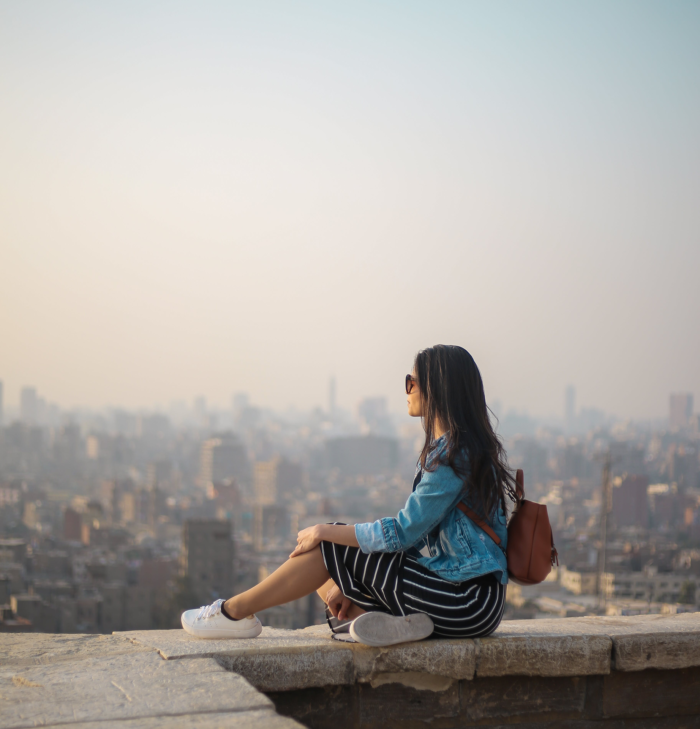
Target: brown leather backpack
530,551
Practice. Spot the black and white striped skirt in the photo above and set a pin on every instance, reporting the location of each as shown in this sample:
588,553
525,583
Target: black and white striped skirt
397,584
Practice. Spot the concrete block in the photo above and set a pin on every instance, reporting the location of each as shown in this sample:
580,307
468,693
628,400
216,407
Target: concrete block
655,641
639,642
652,694
540,655
261,719
120,687
38,649
282,660
453,659
392,703
277,660
508,697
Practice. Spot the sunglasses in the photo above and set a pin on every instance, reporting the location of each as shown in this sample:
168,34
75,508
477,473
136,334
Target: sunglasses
411,382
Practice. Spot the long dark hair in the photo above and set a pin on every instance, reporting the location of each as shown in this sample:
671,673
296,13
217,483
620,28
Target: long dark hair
453,392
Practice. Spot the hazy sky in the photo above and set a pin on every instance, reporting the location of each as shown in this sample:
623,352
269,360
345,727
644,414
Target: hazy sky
211,197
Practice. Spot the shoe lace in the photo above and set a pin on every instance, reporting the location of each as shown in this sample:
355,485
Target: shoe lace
209,611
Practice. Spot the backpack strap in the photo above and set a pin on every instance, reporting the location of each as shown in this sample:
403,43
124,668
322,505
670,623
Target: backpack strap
479,522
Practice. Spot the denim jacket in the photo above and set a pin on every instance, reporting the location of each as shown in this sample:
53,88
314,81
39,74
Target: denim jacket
435,532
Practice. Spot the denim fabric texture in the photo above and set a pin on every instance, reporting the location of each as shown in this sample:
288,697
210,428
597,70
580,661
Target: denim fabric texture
435,532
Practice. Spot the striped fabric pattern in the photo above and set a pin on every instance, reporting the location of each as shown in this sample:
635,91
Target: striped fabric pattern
397,584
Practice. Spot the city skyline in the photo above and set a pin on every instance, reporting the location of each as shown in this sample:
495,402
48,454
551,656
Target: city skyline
213,198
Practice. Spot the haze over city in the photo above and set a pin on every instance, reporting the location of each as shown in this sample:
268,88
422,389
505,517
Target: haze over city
233,197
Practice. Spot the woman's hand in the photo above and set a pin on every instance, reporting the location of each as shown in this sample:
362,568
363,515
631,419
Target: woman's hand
307,539
337,603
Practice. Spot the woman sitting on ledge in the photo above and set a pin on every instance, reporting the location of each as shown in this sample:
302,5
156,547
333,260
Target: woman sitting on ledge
430,569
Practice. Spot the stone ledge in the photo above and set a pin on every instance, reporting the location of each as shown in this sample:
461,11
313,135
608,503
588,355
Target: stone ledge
281,660
577,672
68,684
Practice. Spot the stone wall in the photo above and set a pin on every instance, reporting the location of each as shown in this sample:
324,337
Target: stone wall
577,673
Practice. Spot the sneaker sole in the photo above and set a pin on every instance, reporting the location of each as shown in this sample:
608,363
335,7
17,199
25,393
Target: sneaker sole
368,628
253,632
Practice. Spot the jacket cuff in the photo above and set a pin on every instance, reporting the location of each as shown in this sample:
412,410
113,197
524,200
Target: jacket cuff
370,537
393,543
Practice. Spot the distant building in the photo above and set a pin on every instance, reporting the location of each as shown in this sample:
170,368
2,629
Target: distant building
271,524
668,506
572,461
223,458
684,466
28,405
630,504
72,525
653,586
581,582
680,410
362,455
570,407
152,426
374,413
627,458
275,479
207,558
331,397
125,607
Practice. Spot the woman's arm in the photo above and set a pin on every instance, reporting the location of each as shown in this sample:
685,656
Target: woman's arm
310,537
437,493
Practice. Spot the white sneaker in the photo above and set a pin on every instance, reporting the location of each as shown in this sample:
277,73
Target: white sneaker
209,622
380,629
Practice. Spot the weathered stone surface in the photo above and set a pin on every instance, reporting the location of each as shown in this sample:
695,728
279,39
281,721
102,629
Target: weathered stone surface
285,660
274,661
261,719
639,642
520,696
543,655
317,708
655,641
286,671
36,649
120,687
652,693
453,659
281,660
394,703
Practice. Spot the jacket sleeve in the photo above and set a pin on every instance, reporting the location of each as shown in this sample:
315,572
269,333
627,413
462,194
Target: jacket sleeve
437,493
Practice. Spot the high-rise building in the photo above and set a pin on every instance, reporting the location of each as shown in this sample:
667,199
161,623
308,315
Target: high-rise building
271,524
569,406
274,479
28,405
331,397
630,503
223,458
680,410
207,558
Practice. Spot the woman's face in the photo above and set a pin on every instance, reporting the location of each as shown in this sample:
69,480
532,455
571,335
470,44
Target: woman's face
414,399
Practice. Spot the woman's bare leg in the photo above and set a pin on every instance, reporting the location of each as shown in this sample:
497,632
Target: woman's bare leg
354,611
325,588
296,578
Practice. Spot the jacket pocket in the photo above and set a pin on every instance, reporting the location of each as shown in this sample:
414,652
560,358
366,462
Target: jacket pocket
464,536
